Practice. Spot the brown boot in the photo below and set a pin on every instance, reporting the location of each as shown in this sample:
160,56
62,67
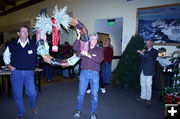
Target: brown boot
148,102
140,99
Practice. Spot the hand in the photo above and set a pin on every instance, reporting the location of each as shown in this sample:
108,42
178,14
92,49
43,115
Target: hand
78,34
74,21
140,52
143,50
65,63
11,68
85,53
47,58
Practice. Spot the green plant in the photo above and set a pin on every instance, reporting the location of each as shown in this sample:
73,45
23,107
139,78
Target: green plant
127,72
171,94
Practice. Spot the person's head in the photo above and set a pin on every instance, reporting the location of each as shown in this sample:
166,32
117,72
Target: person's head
149,43
93,39
66,44
107,43
23,32
100,43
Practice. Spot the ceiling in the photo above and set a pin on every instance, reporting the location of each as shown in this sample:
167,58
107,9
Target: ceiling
9,6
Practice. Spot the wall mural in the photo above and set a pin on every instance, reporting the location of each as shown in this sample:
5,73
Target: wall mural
160,23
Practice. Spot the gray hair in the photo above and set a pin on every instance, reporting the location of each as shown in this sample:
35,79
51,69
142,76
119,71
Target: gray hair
93,35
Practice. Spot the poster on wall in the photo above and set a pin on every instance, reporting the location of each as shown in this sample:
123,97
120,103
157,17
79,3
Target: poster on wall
160,23
102,37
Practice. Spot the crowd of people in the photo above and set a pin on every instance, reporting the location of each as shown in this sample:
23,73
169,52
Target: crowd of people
20,56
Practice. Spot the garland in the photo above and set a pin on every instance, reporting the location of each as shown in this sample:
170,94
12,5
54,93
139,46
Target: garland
44,24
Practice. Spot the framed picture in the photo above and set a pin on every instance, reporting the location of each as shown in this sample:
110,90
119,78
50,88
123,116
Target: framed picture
129,0
102,37
159,23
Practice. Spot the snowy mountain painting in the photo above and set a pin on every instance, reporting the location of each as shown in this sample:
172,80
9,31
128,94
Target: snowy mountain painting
162,24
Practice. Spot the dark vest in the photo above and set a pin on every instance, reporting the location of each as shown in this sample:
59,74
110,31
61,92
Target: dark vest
23,58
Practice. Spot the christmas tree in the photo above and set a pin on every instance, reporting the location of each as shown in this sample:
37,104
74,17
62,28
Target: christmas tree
127,72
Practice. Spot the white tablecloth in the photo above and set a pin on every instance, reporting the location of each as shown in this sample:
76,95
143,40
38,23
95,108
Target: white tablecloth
164,62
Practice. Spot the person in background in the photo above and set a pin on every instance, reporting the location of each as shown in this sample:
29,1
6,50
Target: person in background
147,70
20,58
66,53
2,49
90,67
59,70
101,82
48,69
106,65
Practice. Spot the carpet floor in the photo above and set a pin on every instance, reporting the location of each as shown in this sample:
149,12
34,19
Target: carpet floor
58,101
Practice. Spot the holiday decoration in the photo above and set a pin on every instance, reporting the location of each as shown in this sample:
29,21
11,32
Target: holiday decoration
84,33
172,99
162,52
59,18
127,72
171,95
44,24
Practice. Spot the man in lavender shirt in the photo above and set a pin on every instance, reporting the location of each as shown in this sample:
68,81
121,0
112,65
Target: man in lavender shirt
90,67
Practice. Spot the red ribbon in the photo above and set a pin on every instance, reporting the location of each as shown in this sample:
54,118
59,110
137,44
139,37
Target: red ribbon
55,36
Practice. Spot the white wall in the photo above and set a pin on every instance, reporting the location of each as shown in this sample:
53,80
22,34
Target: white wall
115,33
90,10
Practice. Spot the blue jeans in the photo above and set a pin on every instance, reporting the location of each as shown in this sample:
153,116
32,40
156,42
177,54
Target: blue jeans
48,70
59,70
87,76
18,79
66,72
106,72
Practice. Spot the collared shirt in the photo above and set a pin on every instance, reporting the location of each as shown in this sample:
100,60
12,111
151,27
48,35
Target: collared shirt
92,63
7,53
149,49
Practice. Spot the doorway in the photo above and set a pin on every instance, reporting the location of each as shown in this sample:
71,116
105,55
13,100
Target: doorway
113,27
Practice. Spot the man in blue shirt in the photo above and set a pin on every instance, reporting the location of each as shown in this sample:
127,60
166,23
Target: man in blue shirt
20,58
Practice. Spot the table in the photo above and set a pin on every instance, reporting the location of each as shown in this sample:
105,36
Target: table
37,73
5,74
